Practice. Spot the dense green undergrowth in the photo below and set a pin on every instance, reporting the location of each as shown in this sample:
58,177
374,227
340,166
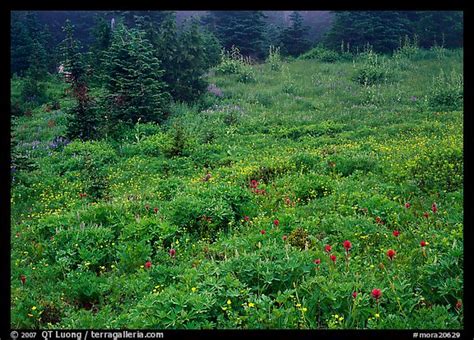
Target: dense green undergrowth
215,219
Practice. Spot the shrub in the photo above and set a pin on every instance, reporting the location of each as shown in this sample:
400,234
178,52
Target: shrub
408,49
312,186
33,92
232,62
299,239
329,128
346,165
440,169
447,91
133,80
373,69
74,155
131,255
322,54
206,210
155,145
274,58
84,288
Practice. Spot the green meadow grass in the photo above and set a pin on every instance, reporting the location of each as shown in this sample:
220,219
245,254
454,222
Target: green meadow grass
334,159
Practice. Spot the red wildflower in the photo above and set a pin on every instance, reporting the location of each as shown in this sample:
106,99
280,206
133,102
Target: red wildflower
246,218
391,253
253,184
276,223
172,252
23,279
407,205
354,295
396,233
147,264
459,305
434,208
317,261
378,220
376,293
327,248
155,210
262,232
333,258
423,243
425,214
284,237
347,245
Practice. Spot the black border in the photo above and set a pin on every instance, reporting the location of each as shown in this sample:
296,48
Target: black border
460,5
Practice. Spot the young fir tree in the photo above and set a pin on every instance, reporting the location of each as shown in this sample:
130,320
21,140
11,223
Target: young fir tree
33,90
243,29
212,48
102,33
21,45
293,38
168,50
83,120
28,45
184,58
191,63
133,79
381,29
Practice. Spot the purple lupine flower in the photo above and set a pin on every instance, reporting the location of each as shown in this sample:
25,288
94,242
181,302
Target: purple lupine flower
58,141
212,88
413,98
35,144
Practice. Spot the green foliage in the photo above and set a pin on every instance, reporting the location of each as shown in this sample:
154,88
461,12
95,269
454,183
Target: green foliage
206,210
446,91
133,80
84,122
384,29
232,62
178,142
332,161
371,69
321,54
33,93
131,255
299,238
29,42
212,49
242,29
274,58
408,49
440,169
84,289
185,58
293,38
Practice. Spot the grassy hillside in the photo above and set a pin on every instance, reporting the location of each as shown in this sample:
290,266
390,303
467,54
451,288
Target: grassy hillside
215,219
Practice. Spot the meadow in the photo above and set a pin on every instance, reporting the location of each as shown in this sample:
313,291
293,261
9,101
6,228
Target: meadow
311,193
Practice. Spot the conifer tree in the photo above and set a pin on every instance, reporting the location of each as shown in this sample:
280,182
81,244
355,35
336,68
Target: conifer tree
243,29
83,121
168,49
293,38
102,33
133,79
28,44
212,48
191,64
184,58
381,29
